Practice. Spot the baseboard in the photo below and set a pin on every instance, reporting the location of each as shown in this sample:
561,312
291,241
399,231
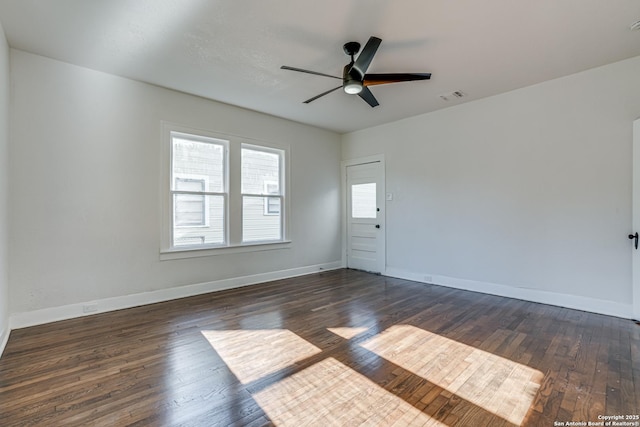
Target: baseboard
54,314
610,308
4,338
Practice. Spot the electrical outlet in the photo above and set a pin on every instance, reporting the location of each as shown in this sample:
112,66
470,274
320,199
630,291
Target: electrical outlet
90,308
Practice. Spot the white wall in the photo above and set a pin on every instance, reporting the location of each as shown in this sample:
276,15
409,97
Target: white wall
525,194
86,198
4,189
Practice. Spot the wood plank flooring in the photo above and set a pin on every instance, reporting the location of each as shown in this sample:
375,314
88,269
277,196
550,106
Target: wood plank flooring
336,348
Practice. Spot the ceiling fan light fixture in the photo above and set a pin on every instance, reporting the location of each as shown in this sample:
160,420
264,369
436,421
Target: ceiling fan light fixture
353,87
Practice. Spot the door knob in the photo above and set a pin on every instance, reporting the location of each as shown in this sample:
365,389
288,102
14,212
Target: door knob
378,226
634,237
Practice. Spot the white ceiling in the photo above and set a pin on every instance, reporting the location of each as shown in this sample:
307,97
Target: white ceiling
231,51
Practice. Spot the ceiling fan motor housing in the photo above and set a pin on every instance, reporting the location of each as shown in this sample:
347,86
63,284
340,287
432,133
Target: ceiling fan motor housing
351,84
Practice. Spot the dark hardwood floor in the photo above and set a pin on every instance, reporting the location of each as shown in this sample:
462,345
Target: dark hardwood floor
336,348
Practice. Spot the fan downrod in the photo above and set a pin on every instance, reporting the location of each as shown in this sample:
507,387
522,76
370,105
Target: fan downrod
351,48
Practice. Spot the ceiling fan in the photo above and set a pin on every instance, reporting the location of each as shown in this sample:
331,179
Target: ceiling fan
355,80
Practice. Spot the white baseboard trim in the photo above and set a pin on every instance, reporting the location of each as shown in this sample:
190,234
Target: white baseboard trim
70,311
4,338
610,308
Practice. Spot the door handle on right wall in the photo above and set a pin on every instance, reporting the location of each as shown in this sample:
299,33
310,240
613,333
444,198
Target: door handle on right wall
634,237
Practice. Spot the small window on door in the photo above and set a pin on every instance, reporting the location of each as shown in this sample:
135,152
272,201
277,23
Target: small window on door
363,200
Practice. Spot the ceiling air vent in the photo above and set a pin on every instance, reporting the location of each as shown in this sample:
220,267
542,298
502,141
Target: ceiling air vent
635,26
456,94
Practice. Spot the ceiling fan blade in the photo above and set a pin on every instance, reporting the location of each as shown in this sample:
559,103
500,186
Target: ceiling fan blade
322,94
286,67
368,97
366,56
381,79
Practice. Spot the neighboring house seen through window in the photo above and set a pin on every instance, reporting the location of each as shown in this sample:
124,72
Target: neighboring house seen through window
261,172
271,204
189,208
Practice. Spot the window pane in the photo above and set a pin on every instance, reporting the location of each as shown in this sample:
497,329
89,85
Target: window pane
363,200
210,228
258,225
260,172
201,160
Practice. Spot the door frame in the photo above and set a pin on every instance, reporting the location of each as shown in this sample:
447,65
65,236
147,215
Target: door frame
635,218
383,208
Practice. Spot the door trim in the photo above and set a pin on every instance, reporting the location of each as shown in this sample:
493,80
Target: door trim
377,158
635,219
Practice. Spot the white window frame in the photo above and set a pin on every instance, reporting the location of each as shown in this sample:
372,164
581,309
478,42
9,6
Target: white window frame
233,201
207,139
281,155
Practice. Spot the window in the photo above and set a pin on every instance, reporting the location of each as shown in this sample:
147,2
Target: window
199,193
363,200
223,192
261,176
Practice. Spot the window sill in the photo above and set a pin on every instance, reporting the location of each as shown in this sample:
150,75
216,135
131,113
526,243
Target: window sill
182,253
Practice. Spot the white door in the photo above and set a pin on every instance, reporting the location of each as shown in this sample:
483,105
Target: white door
365,217
635,260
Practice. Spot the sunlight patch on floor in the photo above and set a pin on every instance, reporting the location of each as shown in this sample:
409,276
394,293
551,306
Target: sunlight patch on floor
493,383
329,393
347,332
254,354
